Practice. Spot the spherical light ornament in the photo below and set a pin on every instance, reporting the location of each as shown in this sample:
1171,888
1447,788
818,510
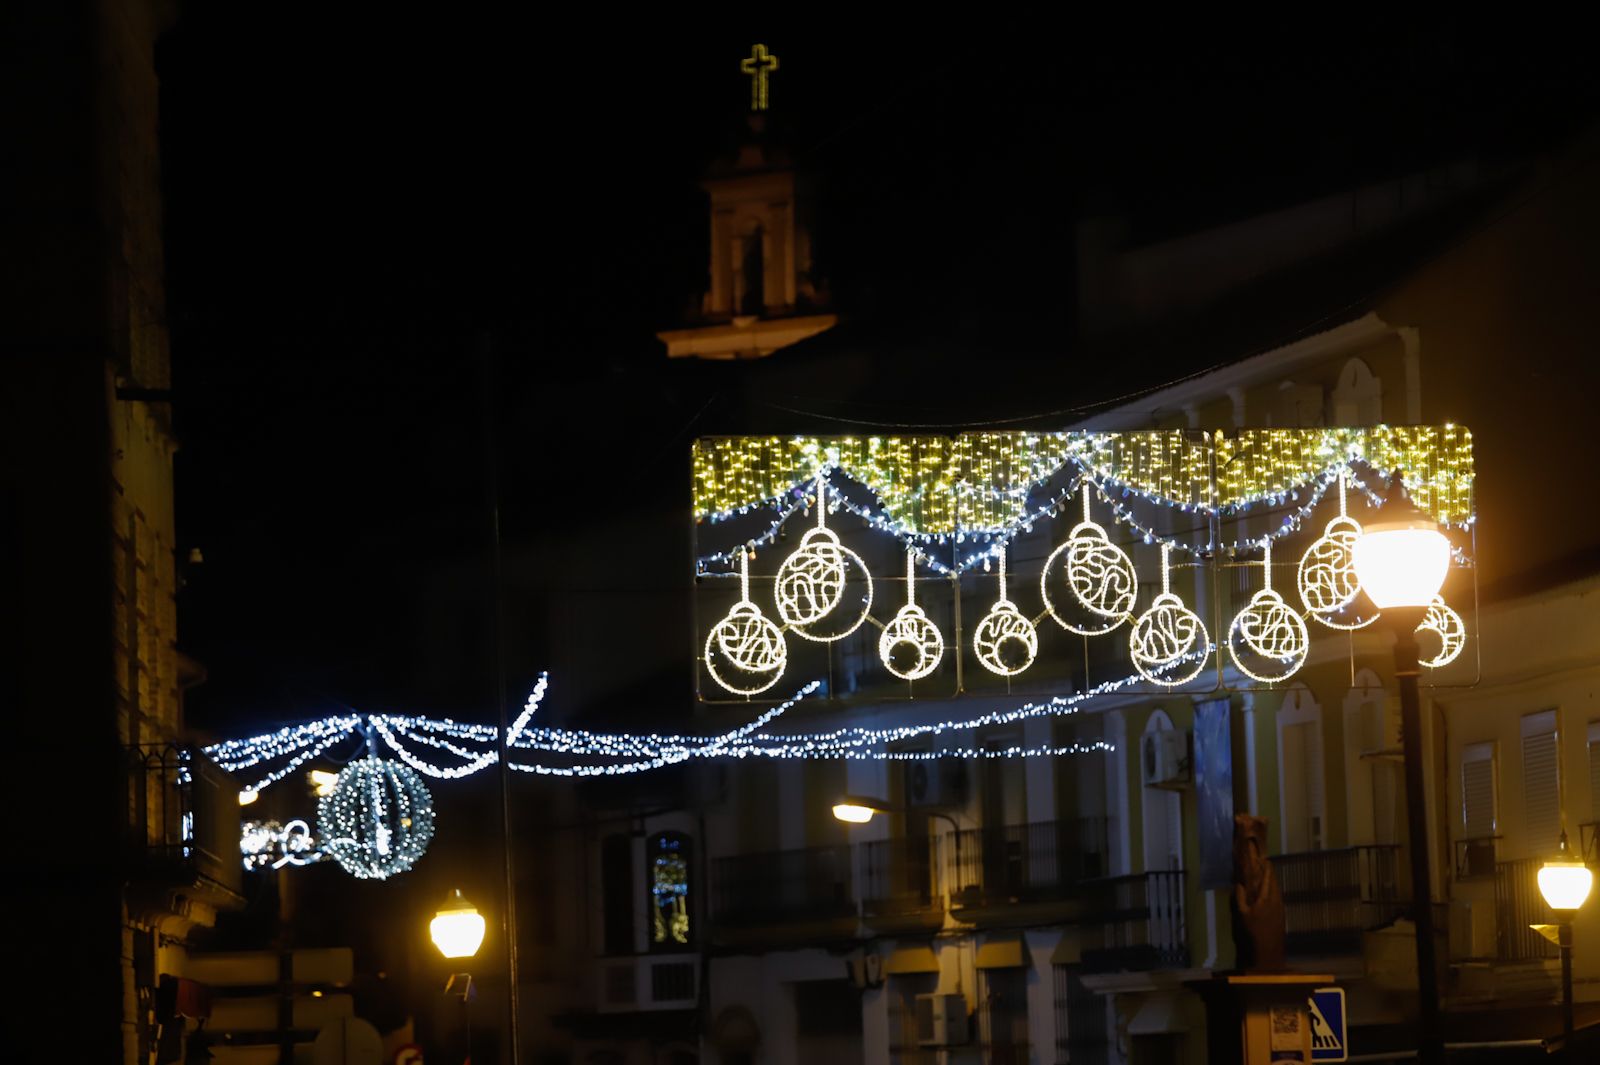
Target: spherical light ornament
1267,640
811,581
1005,641
378,819
745,652
1447,625
1168,643
851,609
1098,577
1328,583
911,645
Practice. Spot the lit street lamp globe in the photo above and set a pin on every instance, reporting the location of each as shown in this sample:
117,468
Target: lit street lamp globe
1401,561
1565,882
457,929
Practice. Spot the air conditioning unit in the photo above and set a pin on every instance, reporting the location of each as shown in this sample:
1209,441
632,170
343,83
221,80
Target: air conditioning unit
1166,758
941,782
941,1020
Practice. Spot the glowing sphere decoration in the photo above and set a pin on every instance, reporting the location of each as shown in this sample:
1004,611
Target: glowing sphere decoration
745,652
1005,641
1267,640
1445,624
1168,643
1097,575
811,581
911,645
378,819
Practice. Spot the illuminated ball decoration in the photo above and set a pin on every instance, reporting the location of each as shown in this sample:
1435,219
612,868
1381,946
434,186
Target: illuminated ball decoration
852,608
911,645
1329,585
378,819
1097,576
745,652
1444,623
1268,640
811,581
1168,642
1005,642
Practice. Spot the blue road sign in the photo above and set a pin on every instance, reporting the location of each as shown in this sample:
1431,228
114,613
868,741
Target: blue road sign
1329,1035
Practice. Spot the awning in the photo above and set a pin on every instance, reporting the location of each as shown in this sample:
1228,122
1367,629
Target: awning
1004,953
905,960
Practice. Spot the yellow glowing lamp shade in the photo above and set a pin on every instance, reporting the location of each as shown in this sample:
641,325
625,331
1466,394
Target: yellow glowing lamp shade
323,782
855,810
246,797
1565,884
1401,560
457,929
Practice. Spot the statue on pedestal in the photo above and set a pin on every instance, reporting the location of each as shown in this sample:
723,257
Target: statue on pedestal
1258,929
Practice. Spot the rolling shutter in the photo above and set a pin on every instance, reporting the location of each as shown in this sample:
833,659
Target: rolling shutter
1477,791
1541,785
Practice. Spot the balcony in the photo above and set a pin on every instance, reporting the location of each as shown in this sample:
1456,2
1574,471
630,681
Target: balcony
1019,864
1141,922
182,829
897,888
1331,898
781,894
1517,904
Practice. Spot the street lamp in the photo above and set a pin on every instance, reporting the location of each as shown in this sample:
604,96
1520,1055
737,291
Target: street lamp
457,930
858,810
1401,562
1564,881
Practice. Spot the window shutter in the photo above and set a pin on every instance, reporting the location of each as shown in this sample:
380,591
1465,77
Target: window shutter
1541,786
1594,770
1477,791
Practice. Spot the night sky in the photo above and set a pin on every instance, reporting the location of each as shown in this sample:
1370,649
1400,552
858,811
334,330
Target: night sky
361,217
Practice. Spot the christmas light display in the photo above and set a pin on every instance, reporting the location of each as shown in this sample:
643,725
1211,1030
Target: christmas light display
811,581
1005,641
1267,640
1168,643
378,820
911,645
1327,574
269,845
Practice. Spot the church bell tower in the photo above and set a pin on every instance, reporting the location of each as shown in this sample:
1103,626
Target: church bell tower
761,296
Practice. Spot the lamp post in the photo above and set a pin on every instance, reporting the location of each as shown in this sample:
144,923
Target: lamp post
858,810
1401,562
1564,881
457,930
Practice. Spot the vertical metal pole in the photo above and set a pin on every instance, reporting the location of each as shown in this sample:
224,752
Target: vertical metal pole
1430,1048
497,608
1566,989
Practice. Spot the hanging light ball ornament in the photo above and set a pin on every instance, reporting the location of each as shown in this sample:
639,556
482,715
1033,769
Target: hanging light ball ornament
1447,625
1268,641
378,819
811,581
1005,641
1168,643
911,645
745,652
1098,575
1328,583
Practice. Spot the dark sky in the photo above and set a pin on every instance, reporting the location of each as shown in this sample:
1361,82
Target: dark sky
356,210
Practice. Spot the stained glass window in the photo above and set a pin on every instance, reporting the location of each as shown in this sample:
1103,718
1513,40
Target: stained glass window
668,861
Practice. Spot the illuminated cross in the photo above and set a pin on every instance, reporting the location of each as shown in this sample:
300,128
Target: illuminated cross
758,66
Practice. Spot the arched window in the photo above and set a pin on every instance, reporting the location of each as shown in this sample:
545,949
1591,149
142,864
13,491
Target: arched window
667,867
752,271
1300,784
1163,811
1358,397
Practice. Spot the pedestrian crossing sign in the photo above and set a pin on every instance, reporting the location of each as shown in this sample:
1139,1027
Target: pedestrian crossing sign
1329,1041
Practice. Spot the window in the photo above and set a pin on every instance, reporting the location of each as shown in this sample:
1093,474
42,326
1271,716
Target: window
1358,397
617,893
1300,771
1541,783
1082,1034
1477,791
1003,1015
668,865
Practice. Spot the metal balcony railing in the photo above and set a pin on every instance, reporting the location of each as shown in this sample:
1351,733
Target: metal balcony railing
1331,897
897,876
783,887
1475,857
183,818
1517,904
1141,921
1025,863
